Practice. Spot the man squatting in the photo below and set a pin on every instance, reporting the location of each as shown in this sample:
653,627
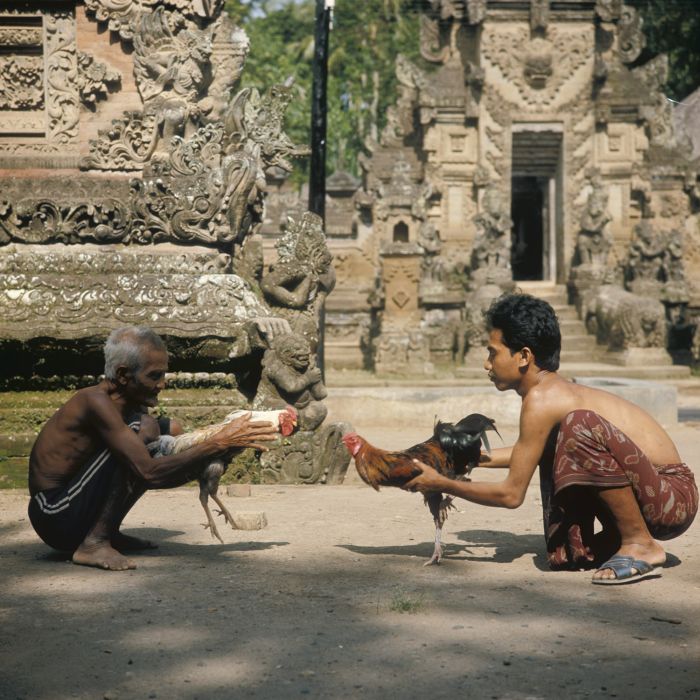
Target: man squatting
600,456
90,464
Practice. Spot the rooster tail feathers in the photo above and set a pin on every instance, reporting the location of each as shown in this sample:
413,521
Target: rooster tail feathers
485,442
458,437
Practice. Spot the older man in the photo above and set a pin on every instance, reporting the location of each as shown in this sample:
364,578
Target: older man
89,464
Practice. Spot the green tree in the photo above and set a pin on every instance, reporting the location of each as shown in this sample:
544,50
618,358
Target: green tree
364,43
673,27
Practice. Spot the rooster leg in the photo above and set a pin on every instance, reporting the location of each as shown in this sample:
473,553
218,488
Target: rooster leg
445,506
224,511
437,552
204,500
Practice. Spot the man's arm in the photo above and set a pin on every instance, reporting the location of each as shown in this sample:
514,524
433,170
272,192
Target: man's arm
496,459
174,469
535,426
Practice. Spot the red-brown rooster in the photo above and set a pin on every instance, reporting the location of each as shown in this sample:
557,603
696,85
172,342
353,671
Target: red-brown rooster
453,450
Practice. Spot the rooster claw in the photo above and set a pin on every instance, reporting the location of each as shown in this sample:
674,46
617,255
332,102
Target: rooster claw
433,560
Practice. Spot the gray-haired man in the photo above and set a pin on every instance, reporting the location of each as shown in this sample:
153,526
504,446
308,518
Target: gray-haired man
89,464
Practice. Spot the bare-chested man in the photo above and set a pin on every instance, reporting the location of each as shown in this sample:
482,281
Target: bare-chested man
600,456
89,464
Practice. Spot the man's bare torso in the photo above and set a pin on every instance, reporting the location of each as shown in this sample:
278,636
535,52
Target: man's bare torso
556,397
67,441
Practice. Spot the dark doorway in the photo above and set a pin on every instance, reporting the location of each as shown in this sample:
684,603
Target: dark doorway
527,209
536,204
401,233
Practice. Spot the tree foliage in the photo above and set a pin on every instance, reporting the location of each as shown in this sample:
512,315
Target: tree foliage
364,42
673,27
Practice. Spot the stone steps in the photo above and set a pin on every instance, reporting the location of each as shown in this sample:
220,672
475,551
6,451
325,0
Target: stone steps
581,355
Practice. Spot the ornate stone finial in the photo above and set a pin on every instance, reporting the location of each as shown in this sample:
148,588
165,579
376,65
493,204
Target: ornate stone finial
630,39
608,10
539,15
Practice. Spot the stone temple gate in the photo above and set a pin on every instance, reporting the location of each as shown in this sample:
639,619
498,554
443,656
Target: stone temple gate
540,147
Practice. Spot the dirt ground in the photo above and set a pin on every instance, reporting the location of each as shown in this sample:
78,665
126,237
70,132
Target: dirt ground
331,600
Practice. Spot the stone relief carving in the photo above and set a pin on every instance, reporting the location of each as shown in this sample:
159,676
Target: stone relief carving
121,15
529,63
433,267
95,79
55,259
539,14
21,36
65,271
21,82
431,46
62,100
34,220
182,304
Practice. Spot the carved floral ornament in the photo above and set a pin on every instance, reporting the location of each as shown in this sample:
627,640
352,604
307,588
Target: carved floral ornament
121,15
207,188
21,82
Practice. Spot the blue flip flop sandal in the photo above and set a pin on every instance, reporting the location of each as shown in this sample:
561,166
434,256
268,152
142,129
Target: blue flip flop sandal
626,570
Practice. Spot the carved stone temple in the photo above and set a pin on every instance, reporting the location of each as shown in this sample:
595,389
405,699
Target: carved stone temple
539,148
132,177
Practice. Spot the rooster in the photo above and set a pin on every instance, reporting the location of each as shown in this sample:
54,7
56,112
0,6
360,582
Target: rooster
285,419
453,450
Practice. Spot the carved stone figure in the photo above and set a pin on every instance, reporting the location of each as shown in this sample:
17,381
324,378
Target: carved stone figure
290,376
625,320
302,277
645,261
594,243
433,268
490,259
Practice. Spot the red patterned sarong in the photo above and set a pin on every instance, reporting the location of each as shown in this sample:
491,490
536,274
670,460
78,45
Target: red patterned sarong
591,452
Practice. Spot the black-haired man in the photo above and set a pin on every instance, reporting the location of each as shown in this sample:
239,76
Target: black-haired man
600,456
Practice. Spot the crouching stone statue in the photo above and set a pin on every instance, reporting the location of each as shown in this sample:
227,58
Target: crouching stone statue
634,327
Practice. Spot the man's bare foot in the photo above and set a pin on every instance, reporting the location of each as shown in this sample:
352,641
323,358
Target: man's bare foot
652,554
103,556
127,543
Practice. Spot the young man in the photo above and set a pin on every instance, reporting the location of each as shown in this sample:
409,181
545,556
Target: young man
89,464
600,456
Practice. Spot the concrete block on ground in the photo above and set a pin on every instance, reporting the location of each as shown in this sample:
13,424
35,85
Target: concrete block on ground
238,490
249,520
659,400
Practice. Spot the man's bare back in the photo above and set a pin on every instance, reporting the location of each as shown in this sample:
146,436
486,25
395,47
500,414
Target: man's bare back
554,397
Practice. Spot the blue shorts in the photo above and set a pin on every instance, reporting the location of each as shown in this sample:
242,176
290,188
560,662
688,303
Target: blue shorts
63,516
